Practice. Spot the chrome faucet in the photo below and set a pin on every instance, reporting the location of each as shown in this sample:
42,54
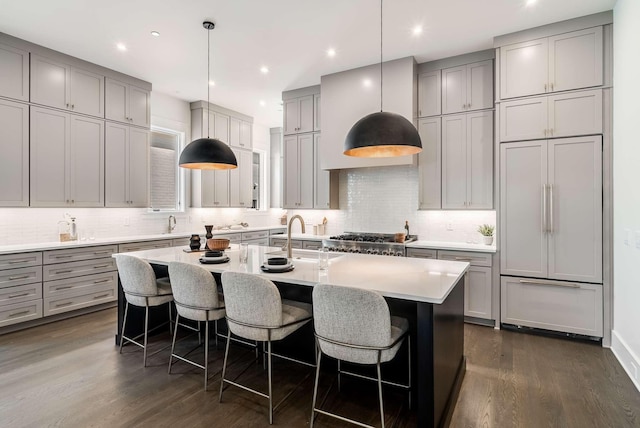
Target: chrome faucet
171,227
289,232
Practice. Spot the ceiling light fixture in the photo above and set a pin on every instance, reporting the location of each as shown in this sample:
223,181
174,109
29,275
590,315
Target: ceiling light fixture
264,69
417,30
531,2
212,83
382,134
208,153
331,52
262,103
155,34
121,47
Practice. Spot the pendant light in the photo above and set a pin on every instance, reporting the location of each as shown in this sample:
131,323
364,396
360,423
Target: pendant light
382,134
208,153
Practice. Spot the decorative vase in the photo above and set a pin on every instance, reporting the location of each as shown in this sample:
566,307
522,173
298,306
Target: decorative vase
194,242
209,235
488,240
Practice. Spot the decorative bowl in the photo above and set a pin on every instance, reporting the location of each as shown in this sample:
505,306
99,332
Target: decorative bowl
218,243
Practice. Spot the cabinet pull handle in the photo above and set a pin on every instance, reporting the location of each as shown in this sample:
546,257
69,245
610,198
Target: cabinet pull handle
545,87
67,105
100,252
17,314
544,209
107,265
552,86
63,256
550,283
13,262
63,304
13,296
99,281
463,259
63,271
64,287
11,278
551,131
551,209
545,132
102,296
73,106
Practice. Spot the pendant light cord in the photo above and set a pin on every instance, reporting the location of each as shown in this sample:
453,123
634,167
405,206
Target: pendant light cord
380,56
208,76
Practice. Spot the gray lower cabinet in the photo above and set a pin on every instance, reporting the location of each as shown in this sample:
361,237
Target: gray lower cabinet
20,288
126,166
422,253
14,146
282,242
144,245
552,305
311,245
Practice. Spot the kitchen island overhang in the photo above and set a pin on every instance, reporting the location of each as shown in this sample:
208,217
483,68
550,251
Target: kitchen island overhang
429,293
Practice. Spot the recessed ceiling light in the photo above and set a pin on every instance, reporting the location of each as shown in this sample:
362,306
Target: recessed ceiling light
121,47
331,52
417,30
212,83
264,69
262,103
531,2
155,33
366,83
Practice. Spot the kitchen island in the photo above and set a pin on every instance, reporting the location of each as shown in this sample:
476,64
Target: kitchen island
429,293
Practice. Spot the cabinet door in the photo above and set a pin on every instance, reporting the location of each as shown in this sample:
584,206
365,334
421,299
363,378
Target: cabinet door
316,112
116,166
291,116
575,209
454,89
139,112
221,188
86,92
86,162
234,132
14,146
138,166
14,68
322,178
207,189
429,164
477,293
49,157
306,114
523,176
523,119
49,81
577,113
240,180
454,162
524,69
291,179
576,59
429,94
480,160
116,101
221,127
480,85
246,140
305,170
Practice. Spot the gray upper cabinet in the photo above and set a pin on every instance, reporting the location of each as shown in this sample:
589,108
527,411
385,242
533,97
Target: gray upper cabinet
429,94
212,189
468,87
240,133
551,209
127,103
234,132
298,171
240,180
321,178
67,159
467,161
246,135
14,146
127,166
430,164
14,69
567,61
316,112
560,115
59,85
298,115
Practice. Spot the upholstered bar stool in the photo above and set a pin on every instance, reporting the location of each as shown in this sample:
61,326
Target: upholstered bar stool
195,293
255,311
355,326
141,288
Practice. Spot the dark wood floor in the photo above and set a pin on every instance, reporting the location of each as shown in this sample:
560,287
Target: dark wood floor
69,374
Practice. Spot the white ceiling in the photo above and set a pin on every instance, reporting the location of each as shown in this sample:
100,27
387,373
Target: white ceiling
289,36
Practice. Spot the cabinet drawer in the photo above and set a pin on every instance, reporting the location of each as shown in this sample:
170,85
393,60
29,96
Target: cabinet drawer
76,254
146,245
20,312
59,304
477,293
21,293
280,242
181,242
13,277
255,235
312,245
261,241
234,238
279,231
475,259
81,284
552,305
14,261
421,253
73,269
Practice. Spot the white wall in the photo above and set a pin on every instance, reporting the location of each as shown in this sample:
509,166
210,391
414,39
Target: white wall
626,176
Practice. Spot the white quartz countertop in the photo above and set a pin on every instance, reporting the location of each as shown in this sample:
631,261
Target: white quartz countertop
412,279
454,246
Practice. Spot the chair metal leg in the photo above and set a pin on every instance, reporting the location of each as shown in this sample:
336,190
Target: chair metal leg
380,390
224,364
315,388
409,366
206,354
124,323
170,318
339,379
199,334
173,343
216,332
146,331
270,392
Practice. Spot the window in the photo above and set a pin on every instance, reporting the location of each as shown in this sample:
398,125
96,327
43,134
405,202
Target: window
165,176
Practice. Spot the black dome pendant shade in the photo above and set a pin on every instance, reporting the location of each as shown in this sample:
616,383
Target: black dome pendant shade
207,153
382,135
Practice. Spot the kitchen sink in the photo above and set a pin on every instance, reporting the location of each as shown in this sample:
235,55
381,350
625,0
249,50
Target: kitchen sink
309,255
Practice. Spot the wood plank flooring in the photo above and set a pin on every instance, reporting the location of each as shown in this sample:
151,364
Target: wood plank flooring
69,374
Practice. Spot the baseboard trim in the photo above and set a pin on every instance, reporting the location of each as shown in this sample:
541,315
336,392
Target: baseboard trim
626,357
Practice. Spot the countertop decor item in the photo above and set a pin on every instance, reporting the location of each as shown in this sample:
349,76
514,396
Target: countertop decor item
194,242
486,230
218,243
208,153
382,134
209,235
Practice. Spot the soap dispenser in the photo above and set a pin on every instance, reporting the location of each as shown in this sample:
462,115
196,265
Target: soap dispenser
73,230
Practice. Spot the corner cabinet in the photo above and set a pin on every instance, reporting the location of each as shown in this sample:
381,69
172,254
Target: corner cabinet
567,61
468,87
467,161
14,69
126,166
298,115
127,103
67,159
430,164
298,171
14,146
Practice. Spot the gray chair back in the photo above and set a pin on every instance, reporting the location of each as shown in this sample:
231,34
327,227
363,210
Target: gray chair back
137,278
250,299
193,287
